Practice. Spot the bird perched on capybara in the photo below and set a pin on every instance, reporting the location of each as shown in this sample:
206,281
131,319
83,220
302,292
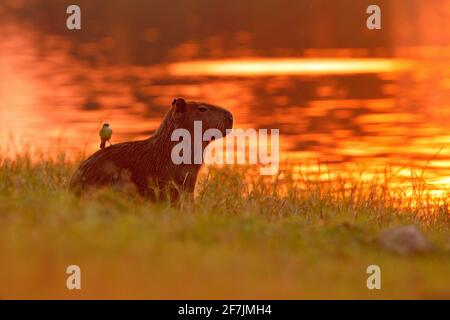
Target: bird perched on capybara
147,165
105,135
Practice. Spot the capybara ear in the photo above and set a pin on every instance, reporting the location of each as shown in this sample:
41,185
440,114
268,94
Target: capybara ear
179,104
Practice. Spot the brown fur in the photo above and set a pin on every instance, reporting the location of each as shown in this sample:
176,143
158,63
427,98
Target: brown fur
147,164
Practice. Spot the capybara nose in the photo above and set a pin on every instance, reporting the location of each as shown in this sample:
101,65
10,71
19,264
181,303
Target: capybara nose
230,118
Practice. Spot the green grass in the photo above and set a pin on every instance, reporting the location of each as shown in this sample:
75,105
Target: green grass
243,236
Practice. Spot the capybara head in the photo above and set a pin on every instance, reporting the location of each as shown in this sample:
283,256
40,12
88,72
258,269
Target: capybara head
195,118
184,113
187,123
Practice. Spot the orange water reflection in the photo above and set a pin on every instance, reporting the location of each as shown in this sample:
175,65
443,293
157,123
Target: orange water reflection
289,66
347,113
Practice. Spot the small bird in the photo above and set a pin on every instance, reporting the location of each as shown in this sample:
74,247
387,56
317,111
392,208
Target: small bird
105,134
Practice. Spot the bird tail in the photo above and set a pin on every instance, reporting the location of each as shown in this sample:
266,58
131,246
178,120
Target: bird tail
102,145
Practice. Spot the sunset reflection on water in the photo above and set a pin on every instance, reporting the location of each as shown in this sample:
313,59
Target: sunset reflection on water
286,67
362,114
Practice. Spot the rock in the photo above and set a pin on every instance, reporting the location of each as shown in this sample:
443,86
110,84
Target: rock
405,240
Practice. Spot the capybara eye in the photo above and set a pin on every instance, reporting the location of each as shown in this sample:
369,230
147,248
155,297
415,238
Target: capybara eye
202,108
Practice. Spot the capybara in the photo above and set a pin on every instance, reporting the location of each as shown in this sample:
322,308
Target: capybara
147,165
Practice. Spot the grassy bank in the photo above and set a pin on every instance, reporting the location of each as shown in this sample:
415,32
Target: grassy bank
240,238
